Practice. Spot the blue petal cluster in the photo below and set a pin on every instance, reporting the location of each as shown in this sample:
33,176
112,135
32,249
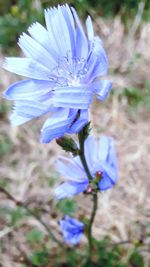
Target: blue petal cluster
62,64
101,161
72,230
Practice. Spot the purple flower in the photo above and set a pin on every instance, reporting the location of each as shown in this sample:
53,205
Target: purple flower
62,65
72,230
102,164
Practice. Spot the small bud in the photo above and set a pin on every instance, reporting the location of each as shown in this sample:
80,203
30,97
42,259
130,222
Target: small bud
98,174
68,144
92,187
86,130
89,189
97,178
84,133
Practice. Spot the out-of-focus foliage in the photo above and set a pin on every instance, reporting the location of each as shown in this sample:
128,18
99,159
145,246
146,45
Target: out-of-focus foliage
106,253
17,15
111,8
67,206
136,97
5,145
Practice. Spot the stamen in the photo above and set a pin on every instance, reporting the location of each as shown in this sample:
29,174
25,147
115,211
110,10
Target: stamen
70,70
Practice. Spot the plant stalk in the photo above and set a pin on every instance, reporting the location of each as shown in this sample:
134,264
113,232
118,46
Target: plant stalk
94,194
95,206
82,157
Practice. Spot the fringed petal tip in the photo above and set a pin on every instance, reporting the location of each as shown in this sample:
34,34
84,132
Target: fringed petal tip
17,120
5,63
104,89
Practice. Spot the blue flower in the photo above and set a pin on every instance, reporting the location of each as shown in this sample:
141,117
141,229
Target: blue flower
62,65
72,230
102,164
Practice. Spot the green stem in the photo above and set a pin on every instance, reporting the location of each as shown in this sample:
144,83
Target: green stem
32,213
82,157
95,205
94,193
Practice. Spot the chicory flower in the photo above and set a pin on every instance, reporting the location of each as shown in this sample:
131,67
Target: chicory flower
72,230
102,164
62,64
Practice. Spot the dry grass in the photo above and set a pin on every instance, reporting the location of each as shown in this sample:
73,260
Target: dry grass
29,165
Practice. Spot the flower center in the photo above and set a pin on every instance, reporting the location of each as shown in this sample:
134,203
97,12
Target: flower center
70,71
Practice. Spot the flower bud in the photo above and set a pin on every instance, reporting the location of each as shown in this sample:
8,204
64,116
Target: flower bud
68,144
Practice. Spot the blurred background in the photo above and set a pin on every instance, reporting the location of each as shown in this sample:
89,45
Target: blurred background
27,167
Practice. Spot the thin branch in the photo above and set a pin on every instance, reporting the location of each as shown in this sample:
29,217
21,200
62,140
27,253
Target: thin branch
32,213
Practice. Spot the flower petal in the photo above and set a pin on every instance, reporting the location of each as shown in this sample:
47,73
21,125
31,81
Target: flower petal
112,159
89,27
73,240
27,67
110,172
103,89
30,109
57,125
25,110
29,90
58,30
97,63
105,183
78,97
90,151
72,230
17,120
104,148
36,30
70,24
70,189
81,40
80,122
73,223
70,170
34,50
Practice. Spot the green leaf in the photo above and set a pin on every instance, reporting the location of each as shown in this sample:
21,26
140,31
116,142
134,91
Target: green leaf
53,179
13,215
39,258
34,236
67,206
5,145
136,259
17,215
4,182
